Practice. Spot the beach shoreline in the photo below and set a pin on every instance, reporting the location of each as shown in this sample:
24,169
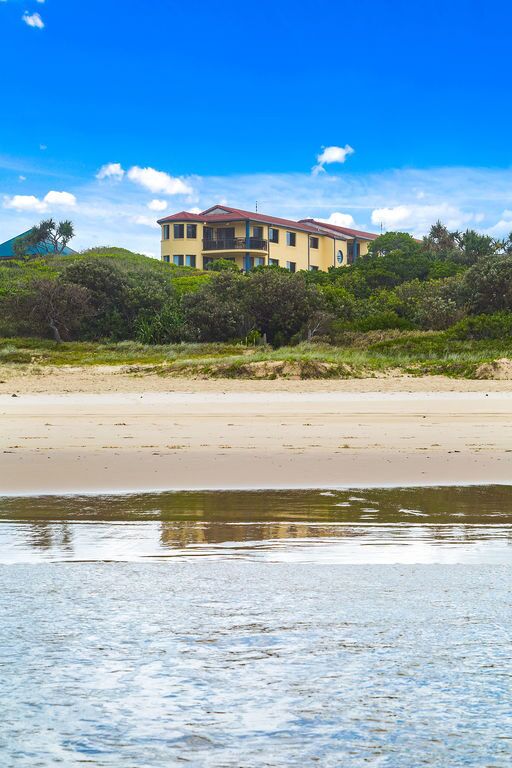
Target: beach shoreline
222,435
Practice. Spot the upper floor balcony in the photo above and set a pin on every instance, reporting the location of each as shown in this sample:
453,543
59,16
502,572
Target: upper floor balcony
235,244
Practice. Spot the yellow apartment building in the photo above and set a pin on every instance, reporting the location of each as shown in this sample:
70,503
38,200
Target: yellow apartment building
253,239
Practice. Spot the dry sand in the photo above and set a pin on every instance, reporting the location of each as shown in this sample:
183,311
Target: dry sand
110,378
101,431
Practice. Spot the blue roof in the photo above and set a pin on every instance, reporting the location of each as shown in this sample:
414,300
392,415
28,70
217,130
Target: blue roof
7,248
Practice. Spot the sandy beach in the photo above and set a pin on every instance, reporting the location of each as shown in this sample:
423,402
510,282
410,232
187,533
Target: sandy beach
100,433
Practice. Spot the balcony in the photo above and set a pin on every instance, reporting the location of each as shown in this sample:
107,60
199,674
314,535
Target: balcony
235,244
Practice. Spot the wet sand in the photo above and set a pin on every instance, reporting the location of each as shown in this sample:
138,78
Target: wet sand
255,435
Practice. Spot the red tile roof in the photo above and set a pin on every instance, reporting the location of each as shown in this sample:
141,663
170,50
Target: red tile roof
236,214
182,216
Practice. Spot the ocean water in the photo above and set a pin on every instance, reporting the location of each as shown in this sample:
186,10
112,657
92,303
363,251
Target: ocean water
242,630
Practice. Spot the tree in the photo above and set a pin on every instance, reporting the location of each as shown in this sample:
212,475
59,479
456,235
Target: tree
431,304
488,285
392,258
473,246
120,298
218,310
51,305
393,241
107,287
280,303
46,237
440,241
506,245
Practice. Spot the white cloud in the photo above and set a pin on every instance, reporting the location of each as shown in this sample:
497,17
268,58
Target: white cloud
503,227
340,219
108,214
66,199
158,181
419,218
332,155
157,205
146,221
22,178
110,171
52,199
33,20
24,203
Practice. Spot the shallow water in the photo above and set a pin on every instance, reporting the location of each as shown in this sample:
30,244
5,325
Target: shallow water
232,630
429,525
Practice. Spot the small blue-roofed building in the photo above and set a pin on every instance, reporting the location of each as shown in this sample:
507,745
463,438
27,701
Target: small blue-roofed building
46,249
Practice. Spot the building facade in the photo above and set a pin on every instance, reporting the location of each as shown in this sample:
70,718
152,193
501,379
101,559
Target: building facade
253,239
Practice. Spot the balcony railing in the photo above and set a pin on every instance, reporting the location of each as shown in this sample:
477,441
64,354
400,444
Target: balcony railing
235,244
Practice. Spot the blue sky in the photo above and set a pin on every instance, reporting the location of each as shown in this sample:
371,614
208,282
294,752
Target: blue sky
235,102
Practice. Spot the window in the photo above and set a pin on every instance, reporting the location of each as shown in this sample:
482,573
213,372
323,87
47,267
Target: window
259,261
167,258
291,238
312,268
166,231
313,241
273,235
257,232
208,233
190,261
206,261
291,265
178,260
225,233
273,262
339,257
179,231
192,230
353,251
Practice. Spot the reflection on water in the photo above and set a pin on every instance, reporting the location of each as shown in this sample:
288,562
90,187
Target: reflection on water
383,526
254,630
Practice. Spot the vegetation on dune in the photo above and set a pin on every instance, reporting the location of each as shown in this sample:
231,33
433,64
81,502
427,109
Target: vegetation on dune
363,354
443,305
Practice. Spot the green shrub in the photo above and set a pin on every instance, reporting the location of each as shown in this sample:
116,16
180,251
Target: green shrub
496,326
382,321
222,265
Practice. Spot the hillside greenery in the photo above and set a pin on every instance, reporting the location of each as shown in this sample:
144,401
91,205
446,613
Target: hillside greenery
443,304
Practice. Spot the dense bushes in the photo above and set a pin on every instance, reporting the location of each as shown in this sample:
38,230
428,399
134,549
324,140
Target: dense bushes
488,285
274,303
496,326
444,282
217,311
